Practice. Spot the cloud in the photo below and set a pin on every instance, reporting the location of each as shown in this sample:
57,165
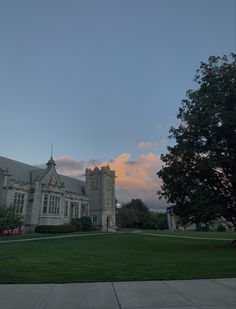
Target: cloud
70,167
151,145
136,177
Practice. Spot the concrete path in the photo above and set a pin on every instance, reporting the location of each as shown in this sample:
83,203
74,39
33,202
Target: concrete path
186,237
187,294
54,237
109,233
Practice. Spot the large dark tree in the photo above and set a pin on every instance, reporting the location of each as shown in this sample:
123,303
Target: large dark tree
199,172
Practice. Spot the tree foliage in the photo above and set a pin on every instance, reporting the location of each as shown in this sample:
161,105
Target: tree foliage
199,172
137,215
9,220
83,224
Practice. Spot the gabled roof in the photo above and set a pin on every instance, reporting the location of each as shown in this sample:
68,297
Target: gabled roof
72,184
29,173
19,171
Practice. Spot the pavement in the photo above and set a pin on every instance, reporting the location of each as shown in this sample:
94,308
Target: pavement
186,294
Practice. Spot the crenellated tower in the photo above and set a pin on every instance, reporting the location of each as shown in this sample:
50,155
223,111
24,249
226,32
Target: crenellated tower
100,187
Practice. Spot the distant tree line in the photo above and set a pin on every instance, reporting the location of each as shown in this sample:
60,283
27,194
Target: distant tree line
137,215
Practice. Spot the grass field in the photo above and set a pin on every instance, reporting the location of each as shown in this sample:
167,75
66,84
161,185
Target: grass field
116,257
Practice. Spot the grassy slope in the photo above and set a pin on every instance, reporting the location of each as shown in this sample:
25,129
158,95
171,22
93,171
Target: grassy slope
117,257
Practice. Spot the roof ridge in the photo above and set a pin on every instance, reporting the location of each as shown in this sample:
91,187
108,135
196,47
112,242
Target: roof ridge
29,165
23,172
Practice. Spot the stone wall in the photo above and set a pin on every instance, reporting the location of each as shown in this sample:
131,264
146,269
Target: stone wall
100,187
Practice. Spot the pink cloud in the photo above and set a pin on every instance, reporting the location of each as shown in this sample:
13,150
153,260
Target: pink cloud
151,145
136,177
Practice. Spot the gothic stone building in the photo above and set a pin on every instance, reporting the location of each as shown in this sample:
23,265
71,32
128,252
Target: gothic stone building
44,197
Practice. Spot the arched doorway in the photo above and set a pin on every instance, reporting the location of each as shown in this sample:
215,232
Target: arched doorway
109,222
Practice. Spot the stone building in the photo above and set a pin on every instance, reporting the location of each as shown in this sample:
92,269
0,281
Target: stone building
44,197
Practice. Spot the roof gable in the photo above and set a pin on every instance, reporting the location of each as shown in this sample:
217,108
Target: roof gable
29,174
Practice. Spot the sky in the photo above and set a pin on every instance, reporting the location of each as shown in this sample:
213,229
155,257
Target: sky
103,80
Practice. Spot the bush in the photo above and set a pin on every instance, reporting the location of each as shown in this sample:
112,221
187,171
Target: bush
76,223
86,224
9,220
83,224
202,229
55,229
221,228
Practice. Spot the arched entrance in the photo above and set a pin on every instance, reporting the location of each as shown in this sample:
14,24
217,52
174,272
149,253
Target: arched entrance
109,222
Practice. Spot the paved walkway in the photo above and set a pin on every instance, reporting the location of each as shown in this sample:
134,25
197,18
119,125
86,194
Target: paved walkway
186,237
12,240
186,294
54,237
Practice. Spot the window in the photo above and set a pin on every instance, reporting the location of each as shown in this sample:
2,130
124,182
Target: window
76,211
54,205
51,204
95,184
66,207
94,219
84,209
18,203
5,181
45,203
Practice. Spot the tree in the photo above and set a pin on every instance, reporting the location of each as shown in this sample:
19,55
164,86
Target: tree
199,172
137,215
9,220
127,218
142,212
161,221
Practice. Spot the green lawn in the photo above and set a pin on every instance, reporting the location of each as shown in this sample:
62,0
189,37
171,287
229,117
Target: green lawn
115,257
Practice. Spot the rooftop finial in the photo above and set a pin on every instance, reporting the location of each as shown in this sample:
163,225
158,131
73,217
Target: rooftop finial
51,150
51,161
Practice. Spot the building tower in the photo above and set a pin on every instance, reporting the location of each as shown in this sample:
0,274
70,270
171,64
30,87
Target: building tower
100,187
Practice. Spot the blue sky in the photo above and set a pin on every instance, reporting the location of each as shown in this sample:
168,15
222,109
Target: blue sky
103,80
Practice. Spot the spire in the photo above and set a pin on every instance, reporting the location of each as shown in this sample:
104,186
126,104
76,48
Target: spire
51,162
51,150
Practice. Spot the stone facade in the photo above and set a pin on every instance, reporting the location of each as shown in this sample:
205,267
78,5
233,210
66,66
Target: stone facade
44,197
100,187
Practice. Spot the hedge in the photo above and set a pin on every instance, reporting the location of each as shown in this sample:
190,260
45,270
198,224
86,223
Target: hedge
55,229
83,224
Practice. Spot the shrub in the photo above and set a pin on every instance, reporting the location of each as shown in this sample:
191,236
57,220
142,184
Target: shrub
83,224
76,223
86,224
202,229
9,220
221,228
55,229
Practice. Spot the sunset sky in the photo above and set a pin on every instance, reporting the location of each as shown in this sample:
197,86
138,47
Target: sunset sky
102,80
